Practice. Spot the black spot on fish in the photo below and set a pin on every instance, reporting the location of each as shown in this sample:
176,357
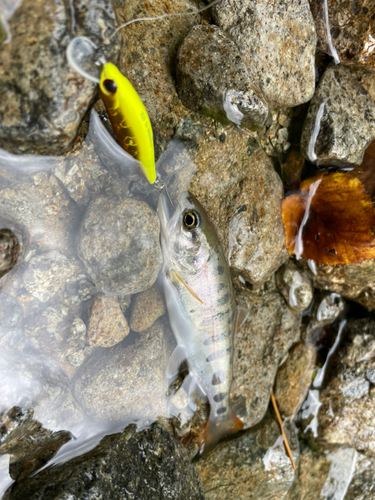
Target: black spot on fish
219,397
214,338
192,311
216,355
220,270
221,287
222,410
223,300
218,377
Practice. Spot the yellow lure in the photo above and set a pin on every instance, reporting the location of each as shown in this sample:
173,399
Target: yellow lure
129,118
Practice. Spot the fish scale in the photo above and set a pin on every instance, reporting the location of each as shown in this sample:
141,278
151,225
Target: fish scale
201,306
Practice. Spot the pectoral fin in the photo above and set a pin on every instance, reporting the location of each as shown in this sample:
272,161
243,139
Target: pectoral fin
241,316
174,275
177,358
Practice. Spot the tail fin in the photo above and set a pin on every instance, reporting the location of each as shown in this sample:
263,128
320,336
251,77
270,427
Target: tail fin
216,430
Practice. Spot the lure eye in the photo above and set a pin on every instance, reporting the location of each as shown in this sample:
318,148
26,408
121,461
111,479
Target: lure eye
110,86
191,220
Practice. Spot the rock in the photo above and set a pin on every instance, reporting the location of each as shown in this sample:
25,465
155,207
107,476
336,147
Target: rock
9,250
277,42
107,324
126,383
43,100
352,281
351,25
213,79
278,133
10,312
253,466
260,346
348,399
81,174
118,242
295,286
293,379
241,194
148,59
329,474
39,204
340,122
147,464
48,274
148,306
29,444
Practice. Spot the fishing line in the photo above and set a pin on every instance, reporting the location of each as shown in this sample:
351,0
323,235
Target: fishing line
162,16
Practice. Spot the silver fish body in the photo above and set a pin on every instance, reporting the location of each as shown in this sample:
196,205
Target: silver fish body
201,307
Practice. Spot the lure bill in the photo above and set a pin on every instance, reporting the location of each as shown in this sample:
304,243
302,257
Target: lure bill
201,308
129,118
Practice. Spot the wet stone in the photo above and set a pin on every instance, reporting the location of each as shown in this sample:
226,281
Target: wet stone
145,464
29,444
277,42
118,242
261,344
295,286
43,100
340,122
213,79
293,379
253,466
41,205
126,382
9,250
148,306
107,325
351,26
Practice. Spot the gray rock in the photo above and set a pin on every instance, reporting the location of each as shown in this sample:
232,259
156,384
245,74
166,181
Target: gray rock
43,100
340,122
277,135
48,274
293,379
213,79
118,242
261,344
9,250
39,204
29,444
347,401
143,465
350,27
81,174
253,466
295,286
10,312
277,42
241,194
107,325
126,383
147,307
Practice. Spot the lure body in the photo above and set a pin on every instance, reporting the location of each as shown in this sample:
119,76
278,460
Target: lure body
129,118
202,309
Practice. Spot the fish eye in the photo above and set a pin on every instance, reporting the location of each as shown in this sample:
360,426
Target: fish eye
110,86
191,220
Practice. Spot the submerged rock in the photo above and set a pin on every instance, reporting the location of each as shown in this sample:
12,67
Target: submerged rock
253,466
277,42
107,324
145,465
9,250
340,123
213,79
261,344
118,242
295,286
126,383
348,36
43,101
147,307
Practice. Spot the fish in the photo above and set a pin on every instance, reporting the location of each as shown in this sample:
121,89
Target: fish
129,118
202,310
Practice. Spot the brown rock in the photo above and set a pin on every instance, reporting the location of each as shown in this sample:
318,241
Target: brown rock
107,324
148,306
293,379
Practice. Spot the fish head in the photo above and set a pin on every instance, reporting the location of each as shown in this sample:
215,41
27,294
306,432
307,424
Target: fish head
186,233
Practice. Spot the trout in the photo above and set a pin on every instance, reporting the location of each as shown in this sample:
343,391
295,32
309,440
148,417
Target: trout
202,310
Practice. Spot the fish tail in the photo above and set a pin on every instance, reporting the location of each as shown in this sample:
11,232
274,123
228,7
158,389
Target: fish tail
216,430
